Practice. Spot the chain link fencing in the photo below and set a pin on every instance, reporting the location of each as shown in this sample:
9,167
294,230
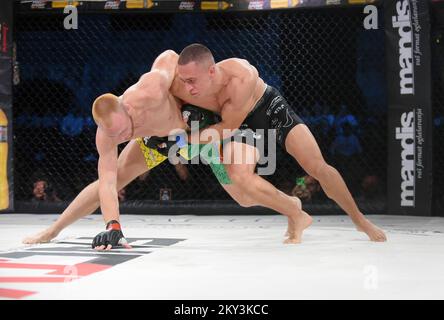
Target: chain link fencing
437,44
328,67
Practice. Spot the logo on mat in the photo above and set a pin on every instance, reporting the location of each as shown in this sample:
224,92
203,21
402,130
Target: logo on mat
75,260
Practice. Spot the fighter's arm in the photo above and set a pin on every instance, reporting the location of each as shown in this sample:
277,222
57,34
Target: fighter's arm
235,109
107,170
152,87
166,65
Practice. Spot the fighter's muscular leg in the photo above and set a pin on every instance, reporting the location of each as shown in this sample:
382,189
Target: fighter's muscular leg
131,164
249,189
301,144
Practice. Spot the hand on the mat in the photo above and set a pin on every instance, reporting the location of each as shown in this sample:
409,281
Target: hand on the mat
112,237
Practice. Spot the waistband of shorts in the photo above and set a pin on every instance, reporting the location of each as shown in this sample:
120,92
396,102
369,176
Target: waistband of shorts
267,91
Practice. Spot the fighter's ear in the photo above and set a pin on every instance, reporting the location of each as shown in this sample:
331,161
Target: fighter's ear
212,70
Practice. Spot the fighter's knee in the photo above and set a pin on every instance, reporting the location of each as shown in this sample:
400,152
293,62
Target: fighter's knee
241,154
317,169
325,173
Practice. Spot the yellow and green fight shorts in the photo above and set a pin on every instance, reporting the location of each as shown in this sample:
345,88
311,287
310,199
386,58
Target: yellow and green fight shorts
210,153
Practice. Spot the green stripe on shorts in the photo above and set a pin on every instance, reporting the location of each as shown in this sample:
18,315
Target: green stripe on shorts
210,154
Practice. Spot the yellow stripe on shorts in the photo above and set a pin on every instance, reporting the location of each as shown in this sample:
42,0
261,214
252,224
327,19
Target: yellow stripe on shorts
152,157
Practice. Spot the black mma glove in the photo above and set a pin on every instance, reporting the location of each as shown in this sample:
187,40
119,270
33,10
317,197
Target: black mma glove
161,144
204,117
113,236
189,113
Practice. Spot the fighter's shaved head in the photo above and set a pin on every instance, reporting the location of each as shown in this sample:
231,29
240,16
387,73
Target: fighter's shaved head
197,53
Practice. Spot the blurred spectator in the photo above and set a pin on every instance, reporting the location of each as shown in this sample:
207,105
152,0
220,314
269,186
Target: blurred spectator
42,191
343,117
165,194
345,150
319,114
78,131
312,185
320,120
72,124
307,189
346,143
39,191
301,192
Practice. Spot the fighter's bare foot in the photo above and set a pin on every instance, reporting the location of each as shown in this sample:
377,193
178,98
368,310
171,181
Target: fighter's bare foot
41,237
373,232
299,204
297,224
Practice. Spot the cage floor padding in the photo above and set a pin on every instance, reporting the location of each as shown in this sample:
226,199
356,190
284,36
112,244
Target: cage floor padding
224,257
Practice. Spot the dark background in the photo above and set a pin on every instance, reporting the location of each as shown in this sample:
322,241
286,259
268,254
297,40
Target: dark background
325,63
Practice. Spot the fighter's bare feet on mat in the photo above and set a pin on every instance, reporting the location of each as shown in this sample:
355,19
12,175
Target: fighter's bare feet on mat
297,224
299,204
41,237
372,231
